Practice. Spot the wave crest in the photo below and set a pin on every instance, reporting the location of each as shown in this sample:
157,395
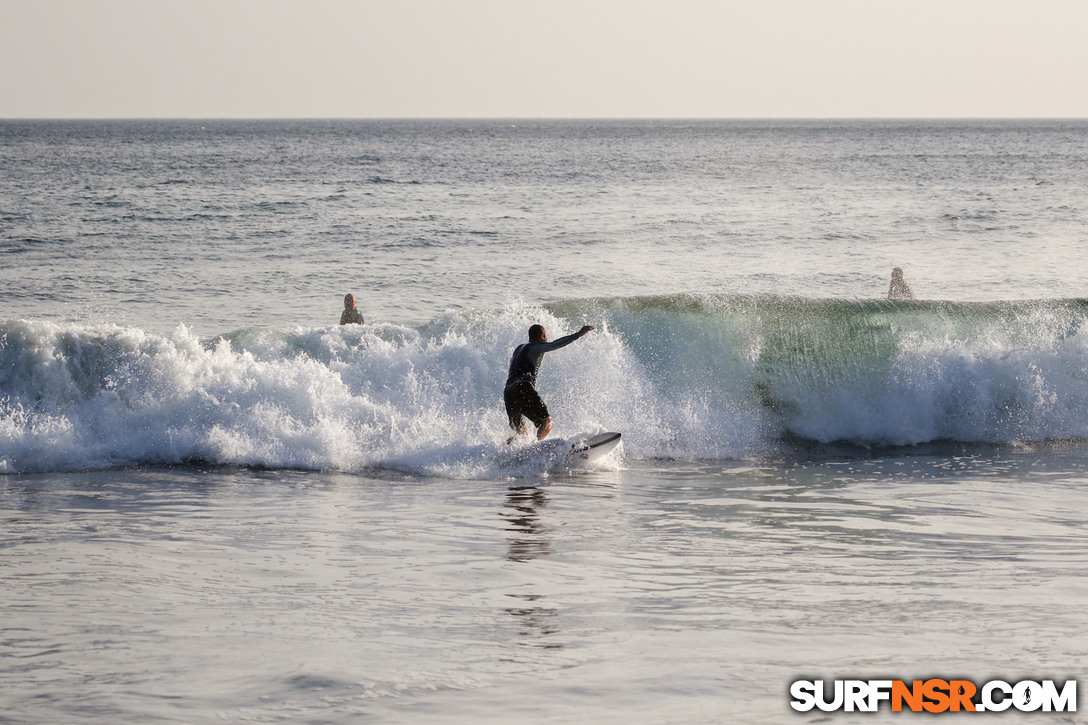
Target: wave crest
683,376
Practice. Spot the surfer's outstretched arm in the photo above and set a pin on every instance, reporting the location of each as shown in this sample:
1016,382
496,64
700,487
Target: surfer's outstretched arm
564,341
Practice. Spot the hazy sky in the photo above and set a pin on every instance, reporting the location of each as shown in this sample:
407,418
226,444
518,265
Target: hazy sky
543,58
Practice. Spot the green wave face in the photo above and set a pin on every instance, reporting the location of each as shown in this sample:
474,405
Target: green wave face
871,372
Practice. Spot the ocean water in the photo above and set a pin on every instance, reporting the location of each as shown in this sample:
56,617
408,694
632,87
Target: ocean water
218,504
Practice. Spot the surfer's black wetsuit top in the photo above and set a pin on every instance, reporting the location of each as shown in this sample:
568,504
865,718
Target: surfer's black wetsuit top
525,361
351,317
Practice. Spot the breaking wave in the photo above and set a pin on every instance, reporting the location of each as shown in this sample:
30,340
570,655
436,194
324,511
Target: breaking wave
683,377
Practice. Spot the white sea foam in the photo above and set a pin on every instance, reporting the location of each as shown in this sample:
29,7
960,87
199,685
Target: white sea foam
682,377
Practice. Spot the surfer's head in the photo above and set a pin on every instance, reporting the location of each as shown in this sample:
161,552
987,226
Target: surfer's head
349,302
537,334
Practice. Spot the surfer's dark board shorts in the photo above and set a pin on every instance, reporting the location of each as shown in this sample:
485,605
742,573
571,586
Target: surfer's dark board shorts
522,400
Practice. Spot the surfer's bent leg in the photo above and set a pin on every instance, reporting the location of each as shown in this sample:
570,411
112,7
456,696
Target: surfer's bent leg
514,398
522,400
535,410
513,409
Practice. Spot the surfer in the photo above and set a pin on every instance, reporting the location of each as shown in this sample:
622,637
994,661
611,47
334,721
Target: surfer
899,289
520,393
350,315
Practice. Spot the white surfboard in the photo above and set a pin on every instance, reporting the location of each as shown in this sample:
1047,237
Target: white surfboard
555,454
591,447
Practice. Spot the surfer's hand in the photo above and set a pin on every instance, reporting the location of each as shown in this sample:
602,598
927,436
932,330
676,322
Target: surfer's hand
584,330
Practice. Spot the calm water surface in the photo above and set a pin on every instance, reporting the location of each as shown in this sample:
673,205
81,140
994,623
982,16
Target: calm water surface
660,592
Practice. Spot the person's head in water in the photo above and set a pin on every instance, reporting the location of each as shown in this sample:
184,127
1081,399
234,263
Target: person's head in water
349,302
537,334
899,289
